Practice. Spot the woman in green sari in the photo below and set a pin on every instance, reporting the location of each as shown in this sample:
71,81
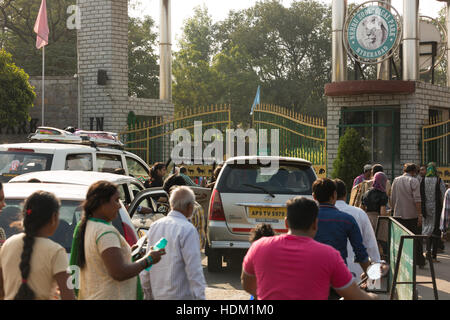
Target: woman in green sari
107,271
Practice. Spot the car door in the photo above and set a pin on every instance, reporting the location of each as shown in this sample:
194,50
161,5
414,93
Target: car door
141,221
202,196
136,168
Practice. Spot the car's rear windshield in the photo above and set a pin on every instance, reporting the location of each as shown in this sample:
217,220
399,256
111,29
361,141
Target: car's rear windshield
14,163
289,178
69,215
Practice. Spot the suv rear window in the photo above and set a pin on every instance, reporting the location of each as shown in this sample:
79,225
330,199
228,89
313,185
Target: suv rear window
290,178
14,163
69,215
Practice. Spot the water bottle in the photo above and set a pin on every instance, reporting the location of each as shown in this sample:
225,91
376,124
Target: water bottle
161,244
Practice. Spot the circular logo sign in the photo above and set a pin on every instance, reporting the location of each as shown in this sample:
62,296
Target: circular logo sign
372,32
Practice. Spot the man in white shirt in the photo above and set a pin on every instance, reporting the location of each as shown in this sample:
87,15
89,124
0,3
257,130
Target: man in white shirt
368,235
179,276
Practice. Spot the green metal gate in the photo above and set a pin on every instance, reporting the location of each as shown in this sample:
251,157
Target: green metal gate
436,147
300,135
151,140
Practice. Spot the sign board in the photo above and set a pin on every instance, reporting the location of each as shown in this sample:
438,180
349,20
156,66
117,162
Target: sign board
444,173
321,171
372,33
198,170
405,274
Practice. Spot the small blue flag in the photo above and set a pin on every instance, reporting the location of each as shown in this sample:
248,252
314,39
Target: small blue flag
257,100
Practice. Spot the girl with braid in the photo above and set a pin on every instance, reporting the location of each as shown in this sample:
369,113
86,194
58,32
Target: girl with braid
107,271
32,265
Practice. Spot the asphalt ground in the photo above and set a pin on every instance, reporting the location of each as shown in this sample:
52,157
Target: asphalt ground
226,285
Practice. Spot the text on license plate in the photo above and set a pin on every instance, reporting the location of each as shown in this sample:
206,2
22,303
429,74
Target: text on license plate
268,213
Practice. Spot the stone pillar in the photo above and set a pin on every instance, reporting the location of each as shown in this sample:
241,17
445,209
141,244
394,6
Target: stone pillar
383,68
333,118
103,45
339,56
411,40
165,73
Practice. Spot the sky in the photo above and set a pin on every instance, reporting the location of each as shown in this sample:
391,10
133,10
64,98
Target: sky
218,9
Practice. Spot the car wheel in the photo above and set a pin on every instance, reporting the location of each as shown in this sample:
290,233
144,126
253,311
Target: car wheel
214,260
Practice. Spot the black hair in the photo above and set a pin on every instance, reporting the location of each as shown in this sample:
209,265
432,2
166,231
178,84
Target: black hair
38,210
323,189
155,167
183,170
377,168
98,194
409,167
261,230
301,213
341,189
173,180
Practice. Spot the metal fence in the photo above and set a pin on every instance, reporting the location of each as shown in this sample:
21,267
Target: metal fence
300,135
436,144
151,140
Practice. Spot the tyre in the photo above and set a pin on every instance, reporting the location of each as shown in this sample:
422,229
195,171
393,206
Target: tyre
214,260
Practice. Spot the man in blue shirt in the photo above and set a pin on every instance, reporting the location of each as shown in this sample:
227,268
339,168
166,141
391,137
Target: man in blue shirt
336,227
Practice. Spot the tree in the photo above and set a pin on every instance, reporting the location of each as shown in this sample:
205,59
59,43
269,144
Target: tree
143,68
195,83
16,93
288,48
352,156
17,18
287,51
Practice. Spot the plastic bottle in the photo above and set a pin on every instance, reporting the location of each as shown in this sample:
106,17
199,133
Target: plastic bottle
161,244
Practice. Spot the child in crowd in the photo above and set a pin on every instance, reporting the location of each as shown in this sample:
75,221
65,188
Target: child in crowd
31,265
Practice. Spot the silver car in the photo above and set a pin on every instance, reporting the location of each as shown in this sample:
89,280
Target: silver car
246,194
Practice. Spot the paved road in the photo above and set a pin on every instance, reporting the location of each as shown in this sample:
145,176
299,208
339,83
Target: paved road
226,285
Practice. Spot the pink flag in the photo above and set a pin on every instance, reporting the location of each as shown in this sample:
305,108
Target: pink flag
41,26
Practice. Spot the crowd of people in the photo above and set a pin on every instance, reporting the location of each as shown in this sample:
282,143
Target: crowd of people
330,244
328,247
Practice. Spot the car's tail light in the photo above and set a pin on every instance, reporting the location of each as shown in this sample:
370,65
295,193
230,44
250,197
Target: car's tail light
216,208
128,234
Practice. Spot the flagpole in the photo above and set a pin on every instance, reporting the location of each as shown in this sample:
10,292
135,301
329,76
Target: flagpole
43,83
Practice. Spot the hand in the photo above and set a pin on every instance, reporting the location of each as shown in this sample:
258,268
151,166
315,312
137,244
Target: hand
156,254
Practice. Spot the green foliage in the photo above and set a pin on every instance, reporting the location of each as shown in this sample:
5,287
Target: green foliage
143,72
351,157
18,18
16,93
285,50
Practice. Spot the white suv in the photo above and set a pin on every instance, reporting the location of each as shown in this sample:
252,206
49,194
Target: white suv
60,150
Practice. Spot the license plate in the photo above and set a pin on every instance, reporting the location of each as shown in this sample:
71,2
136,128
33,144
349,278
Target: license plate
267,213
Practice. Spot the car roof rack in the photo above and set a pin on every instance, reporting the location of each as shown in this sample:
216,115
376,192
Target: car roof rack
92,138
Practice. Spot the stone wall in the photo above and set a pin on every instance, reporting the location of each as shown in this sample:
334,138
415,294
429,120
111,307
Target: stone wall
61,108
414,114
